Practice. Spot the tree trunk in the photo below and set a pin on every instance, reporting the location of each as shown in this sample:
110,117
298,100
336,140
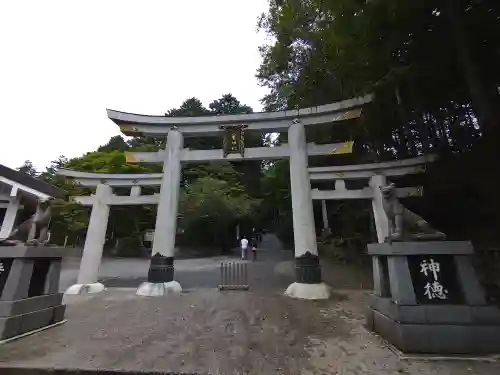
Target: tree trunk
406,135
484,96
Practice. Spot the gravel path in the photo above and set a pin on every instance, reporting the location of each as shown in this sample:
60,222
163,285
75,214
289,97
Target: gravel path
212,332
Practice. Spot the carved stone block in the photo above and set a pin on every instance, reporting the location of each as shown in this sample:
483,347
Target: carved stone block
29,296
436,304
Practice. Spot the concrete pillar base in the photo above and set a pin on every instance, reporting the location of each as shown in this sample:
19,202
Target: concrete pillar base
308,291
85,288
148,289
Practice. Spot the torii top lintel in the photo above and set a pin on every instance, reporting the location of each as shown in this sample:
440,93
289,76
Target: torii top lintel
137,125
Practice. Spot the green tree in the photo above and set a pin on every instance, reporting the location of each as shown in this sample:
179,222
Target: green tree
126,224
29,169
403,51
210,210
248,172
436,88
275,211
115,143
50,173
228,104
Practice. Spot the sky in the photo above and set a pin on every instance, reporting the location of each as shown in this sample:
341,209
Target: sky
62,63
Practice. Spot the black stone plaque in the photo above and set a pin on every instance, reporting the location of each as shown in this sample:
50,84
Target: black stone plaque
5,265
435,279
38,277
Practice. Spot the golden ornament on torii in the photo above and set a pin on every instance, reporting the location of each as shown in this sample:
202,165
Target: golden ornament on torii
233,140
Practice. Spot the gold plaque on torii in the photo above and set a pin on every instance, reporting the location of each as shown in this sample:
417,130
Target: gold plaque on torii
233,140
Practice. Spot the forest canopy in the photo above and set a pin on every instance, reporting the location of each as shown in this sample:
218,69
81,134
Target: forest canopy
433,68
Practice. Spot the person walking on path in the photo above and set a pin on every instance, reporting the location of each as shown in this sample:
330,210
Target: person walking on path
244,246
253,245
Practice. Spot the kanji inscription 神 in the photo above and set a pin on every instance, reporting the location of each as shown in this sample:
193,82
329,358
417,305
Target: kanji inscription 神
434,279
433,289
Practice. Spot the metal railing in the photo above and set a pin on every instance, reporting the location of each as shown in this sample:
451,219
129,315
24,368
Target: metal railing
233,275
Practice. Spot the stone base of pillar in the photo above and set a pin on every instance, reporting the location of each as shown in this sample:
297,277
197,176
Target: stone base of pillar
309,284
85,288
308,291
308,269
148,289
161,269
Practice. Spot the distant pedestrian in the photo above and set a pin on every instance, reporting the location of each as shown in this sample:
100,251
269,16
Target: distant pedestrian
254,251
259,238
244,247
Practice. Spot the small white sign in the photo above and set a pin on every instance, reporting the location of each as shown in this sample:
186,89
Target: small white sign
149,235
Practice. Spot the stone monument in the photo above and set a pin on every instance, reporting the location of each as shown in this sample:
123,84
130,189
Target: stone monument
427,298
34,231
29,278
405,225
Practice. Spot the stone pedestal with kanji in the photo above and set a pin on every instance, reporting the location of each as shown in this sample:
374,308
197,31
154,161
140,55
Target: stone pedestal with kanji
427,299
29,289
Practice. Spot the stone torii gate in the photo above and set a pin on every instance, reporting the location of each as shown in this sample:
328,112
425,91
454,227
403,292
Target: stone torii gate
87,281
232,127
376,175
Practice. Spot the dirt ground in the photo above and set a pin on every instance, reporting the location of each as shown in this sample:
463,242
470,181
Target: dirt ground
208,331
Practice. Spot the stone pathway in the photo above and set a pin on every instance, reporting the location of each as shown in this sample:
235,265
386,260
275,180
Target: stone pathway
207,331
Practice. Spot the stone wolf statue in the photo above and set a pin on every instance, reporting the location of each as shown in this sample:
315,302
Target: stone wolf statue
32,232
405,225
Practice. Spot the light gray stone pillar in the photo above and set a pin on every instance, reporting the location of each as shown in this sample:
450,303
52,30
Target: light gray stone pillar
53,276
18,280
9,218
324,213
161,272
377,276
94,244
401,284
166,218
308,285
473,292
381,220
38,214
303,217
135,191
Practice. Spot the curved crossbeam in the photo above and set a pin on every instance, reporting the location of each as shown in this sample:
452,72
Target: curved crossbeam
390,168
136,124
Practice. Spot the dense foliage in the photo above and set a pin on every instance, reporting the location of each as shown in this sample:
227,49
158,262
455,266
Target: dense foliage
215,197
433,67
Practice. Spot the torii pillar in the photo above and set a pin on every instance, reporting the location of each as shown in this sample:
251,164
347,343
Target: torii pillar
161,271
94,244
309,283
10,217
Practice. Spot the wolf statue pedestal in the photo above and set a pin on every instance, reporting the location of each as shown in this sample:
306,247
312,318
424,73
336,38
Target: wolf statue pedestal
29,289
29,278
427,299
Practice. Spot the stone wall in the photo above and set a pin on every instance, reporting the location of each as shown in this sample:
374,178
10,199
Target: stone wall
487,264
